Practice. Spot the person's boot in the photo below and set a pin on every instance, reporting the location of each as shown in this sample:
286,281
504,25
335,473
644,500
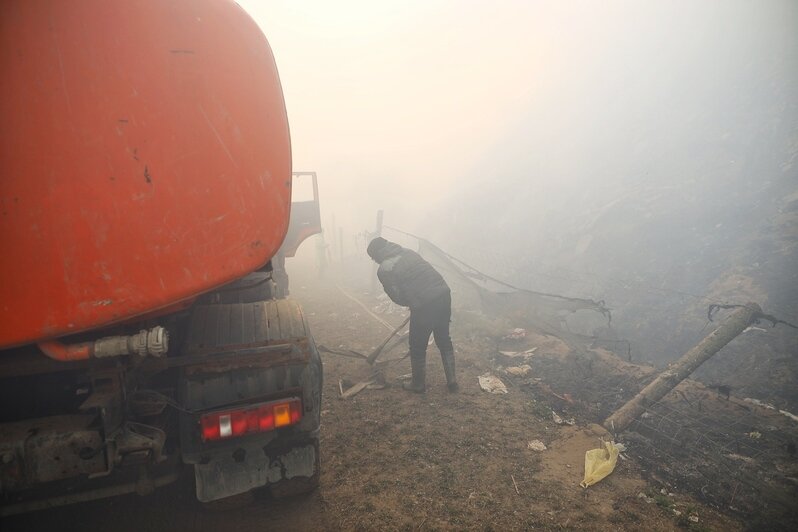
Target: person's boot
447,356
418,366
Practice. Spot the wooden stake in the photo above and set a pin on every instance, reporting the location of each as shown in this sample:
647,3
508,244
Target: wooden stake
689,362
356,389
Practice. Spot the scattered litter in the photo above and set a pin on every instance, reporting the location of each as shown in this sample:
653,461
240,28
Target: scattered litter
519,371
516,334
514,358
492,384
645,415
666,492
621,449
645,497
354,390
524,354
754,434
536,445
677,512
692,518
599,463
546,388
557,419
405,377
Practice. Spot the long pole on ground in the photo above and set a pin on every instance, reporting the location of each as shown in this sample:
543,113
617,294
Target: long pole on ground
736,323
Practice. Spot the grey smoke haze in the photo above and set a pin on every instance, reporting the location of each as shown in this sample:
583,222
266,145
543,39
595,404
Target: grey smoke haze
408,105
644,153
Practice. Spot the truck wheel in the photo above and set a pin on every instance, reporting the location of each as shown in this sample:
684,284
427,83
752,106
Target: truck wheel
255,287
227,327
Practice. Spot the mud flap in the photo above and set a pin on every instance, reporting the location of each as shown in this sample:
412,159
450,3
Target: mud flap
250,467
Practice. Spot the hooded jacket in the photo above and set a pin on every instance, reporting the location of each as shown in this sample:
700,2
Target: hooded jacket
408,279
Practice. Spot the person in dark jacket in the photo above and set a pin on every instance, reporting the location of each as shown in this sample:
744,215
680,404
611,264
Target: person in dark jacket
412,282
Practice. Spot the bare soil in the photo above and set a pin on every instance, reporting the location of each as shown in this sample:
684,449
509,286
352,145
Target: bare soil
392,460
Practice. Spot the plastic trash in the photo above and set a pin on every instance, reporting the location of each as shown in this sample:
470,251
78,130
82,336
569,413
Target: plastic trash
519,371
536,445
645,497
599,463
559,420
492,384
516,334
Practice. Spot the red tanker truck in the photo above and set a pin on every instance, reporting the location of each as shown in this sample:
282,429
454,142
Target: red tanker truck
145,193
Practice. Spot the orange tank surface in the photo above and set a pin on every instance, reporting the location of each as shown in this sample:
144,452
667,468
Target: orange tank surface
144,158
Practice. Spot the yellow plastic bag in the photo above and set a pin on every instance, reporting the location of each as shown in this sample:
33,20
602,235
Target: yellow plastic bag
599,463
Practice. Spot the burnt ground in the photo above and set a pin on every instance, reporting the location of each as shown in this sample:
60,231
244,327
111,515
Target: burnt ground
398,461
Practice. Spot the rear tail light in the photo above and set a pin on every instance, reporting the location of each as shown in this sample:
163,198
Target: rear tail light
259,418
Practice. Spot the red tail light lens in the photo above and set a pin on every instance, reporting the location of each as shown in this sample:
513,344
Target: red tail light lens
259,418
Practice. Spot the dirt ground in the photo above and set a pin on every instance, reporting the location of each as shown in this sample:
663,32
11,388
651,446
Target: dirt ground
398,461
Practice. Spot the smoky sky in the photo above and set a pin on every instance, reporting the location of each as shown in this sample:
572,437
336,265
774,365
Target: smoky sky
414,106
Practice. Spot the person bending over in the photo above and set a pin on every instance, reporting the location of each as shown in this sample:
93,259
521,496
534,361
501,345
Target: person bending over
412,282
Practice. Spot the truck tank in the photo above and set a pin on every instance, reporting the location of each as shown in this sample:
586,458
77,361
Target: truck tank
145,193
144,159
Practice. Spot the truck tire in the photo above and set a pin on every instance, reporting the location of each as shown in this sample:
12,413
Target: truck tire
220,328
257,286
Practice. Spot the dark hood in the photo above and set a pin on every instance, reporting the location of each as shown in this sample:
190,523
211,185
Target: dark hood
389,249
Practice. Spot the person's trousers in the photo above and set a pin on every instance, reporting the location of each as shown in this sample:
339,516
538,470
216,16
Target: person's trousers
432,318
